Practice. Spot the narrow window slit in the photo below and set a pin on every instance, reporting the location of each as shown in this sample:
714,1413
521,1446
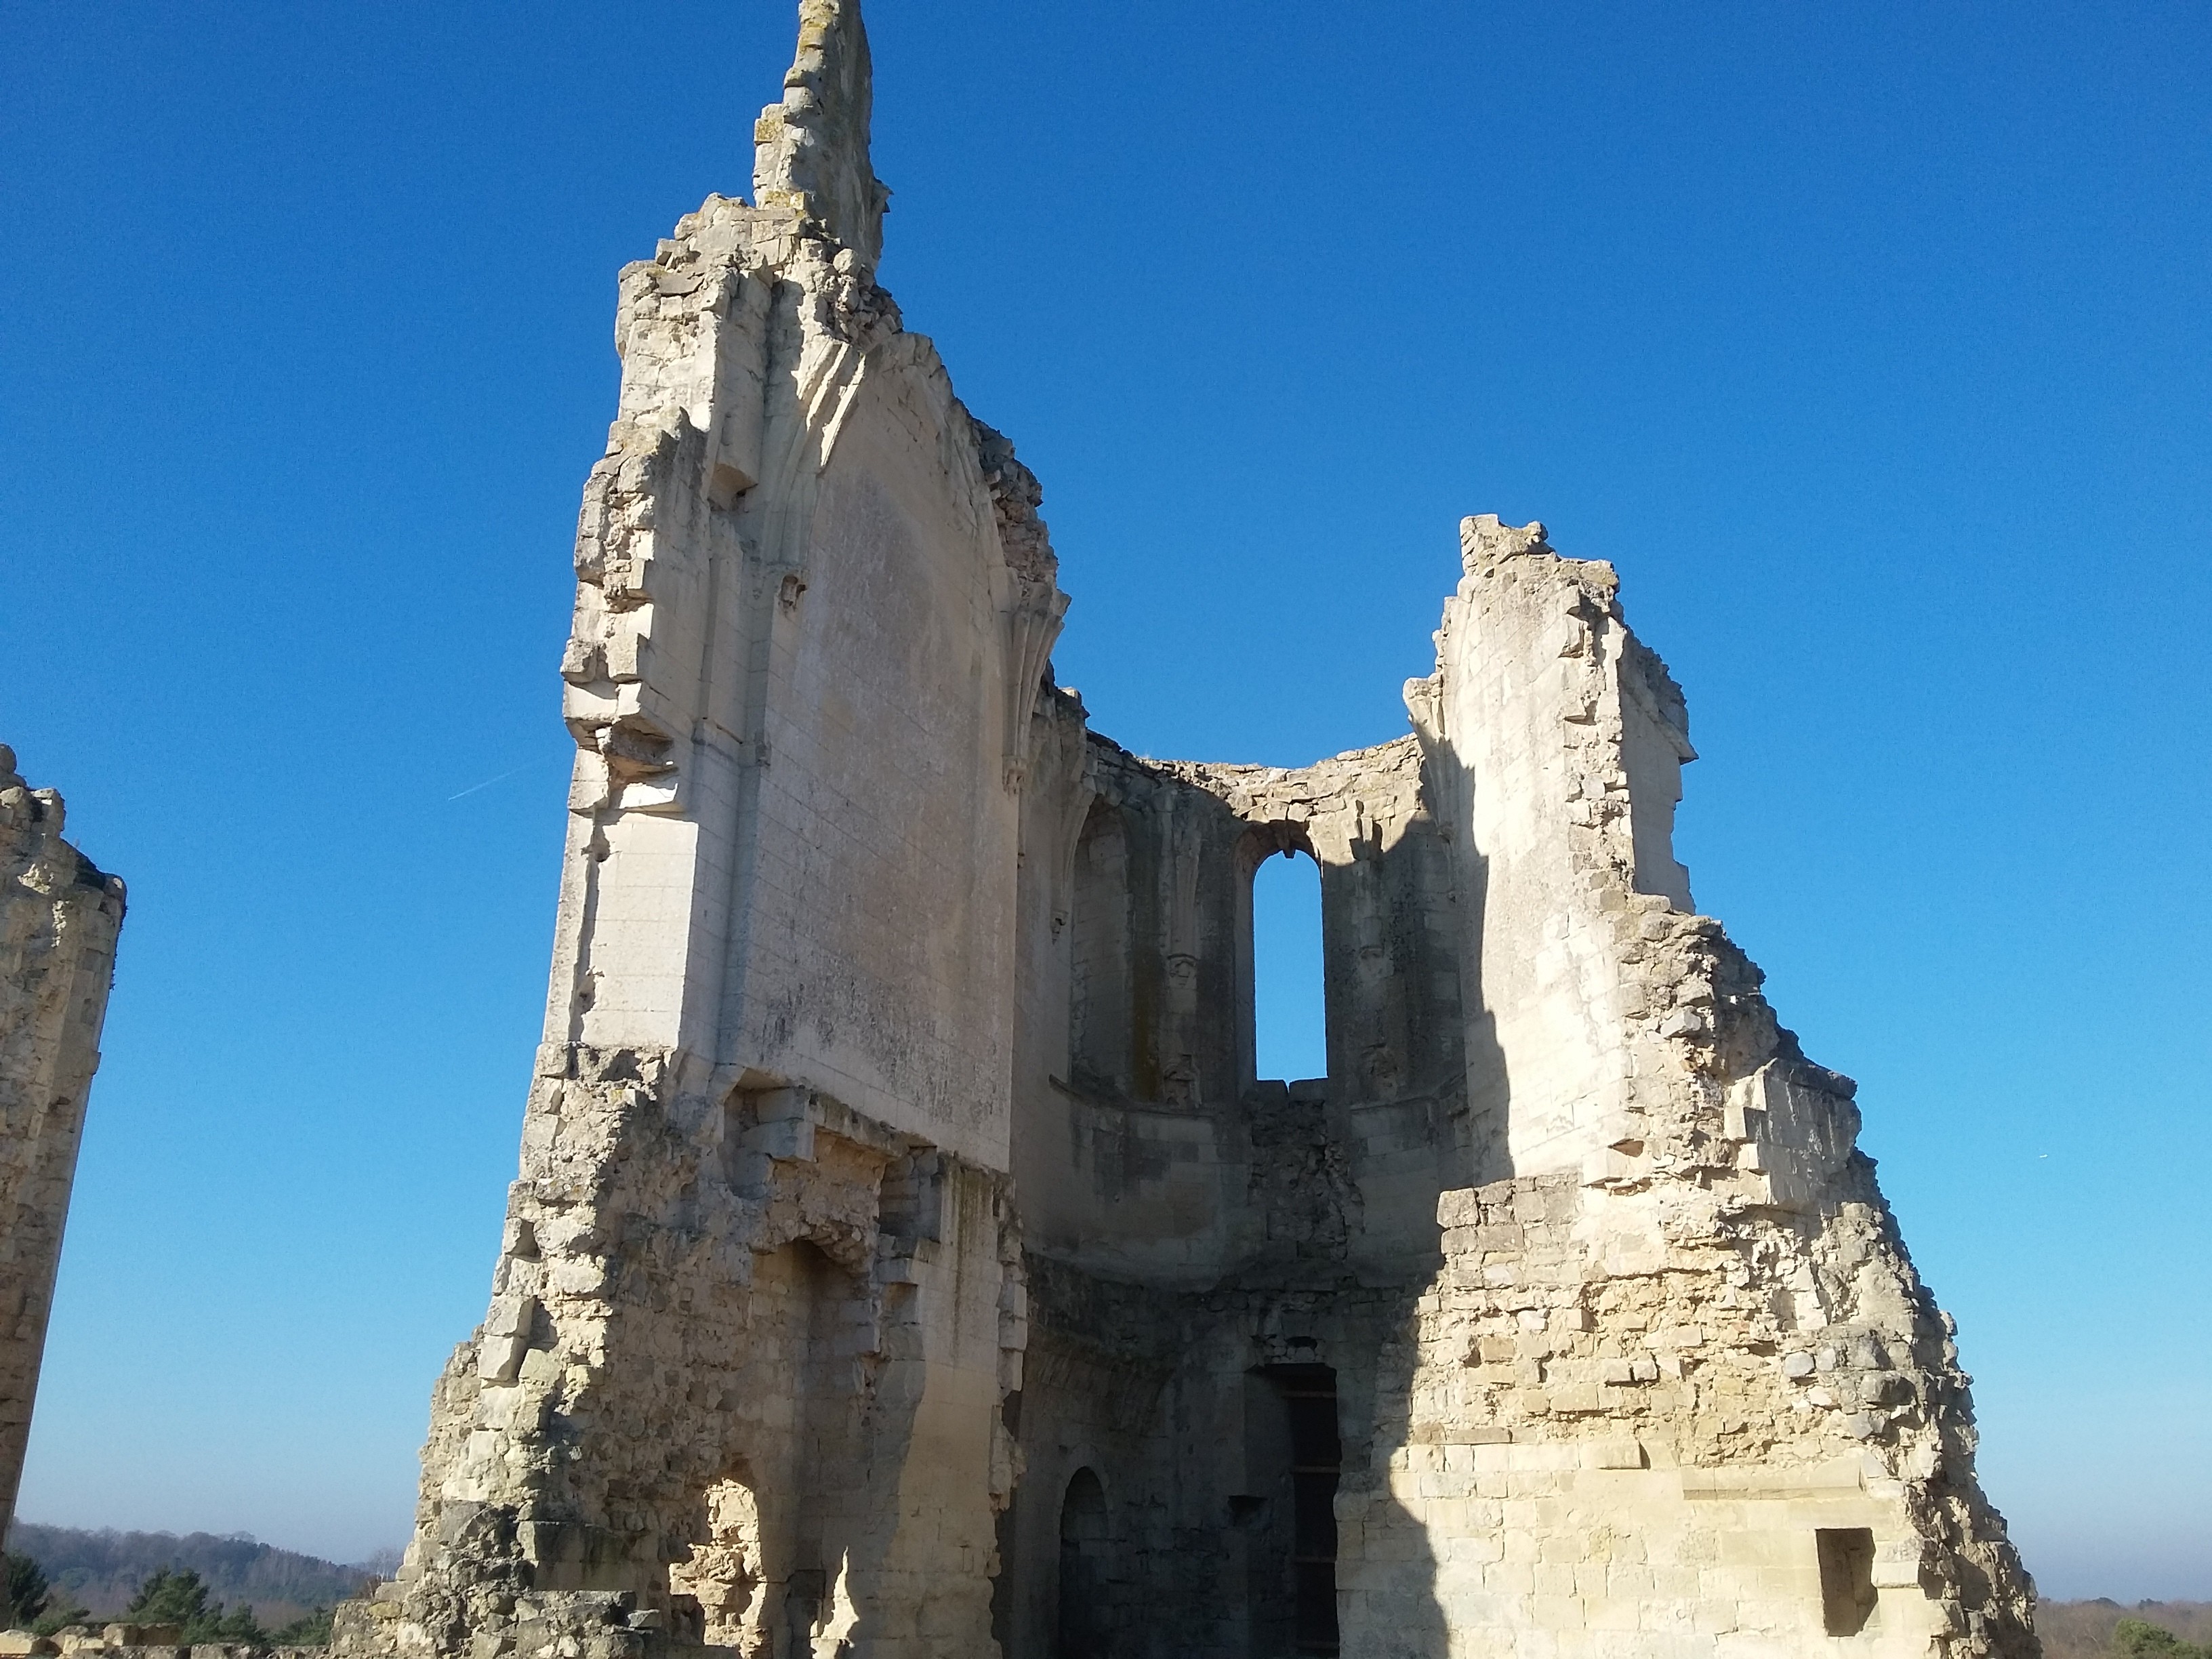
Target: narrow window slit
1289,1038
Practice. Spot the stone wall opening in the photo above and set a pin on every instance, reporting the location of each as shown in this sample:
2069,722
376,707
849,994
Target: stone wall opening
1293,1461
1085,1620
1847,1592
1288,1030
723,1577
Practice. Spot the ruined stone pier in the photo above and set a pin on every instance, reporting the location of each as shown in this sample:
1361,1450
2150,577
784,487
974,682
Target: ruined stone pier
60,919
906,1260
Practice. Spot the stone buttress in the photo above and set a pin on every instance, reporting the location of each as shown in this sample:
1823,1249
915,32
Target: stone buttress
60,919
907,1258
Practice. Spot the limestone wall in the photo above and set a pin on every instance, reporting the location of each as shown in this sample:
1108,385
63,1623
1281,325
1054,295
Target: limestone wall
1174,1404
798,693
906,1259
1630,1427
59,918
1141,1131
1677,1389
1559,740
1210,1251
760,1294
1622,1350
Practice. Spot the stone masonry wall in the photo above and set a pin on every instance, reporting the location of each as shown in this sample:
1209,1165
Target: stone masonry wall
1138,1114
905,1261
59,919
738,1385
1677,1390
1625,1355
1199,1239
760,1294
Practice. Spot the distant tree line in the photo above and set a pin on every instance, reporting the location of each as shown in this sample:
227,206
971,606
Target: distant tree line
171,1596
103,1569
166,1597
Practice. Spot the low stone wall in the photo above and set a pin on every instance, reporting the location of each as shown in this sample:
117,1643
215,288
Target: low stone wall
134,1642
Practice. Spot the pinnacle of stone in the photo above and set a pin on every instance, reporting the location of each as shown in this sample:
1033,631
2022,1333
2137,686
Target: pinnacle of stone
810,151
1486,539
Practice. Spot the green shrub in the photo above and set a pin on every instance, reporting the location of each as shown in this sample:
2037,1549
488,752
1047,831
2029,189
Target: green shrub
2138,1638
179,1598
26,1589
32,1604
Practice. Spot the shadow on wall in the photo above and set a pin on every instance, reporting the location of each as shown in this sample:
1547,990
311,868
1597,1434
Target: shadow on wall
776,1567
1480,1150
1287,1538
1387,1570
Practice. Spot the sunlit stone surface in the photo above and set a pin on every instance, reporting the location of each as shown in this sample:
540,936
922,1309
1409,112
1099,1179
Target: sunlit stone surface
905,1260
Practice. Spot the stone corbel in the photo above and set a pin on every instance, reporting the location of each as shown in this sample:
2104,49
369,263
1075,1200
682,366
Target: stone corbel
635,755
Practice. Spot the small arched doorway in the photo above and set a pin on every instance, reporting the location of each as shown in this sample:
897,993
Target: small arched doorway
1083,1623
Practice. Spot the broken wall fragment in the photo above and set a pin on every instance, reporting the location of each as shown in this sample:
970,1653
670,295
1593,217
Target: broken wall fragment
59,920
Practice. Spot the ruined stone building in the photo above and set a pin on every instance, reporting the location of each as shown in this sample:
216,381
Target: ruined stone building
906,1260
59,918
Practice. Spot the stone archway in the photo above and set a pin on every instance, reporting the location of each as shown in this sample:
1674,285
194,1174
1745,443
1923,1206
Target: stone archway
1085,1620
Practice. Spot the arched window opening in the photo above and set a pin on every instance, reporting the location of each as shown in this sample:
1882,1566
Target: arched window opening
1083,1545
1288,1017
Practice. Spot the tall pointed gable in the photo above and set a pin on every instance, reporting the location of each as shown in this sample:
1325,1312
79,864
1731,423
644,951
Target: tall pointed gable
811,150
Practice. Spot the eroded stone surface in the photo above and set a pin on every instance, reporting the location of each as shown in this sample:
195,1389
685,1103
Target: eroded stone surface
59,918
906,1259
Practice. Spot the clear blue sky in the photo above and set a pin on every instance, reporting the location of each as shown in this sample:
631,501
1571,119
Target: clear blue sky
1869,340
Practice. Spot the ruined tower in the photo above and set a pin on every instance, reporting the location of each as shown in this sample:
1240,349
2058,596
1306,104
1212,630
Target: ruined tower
906,1260
59,918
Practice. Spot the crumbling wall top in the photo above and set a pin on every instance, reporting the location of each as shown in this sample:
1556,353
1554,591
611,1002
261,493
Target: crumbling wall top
59,917
810,151
34,819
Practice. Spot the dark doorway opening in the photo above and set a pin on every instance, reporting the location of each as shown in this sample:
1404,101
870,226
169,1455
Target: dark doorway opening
1084,1622
1847,1592
1294,1459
